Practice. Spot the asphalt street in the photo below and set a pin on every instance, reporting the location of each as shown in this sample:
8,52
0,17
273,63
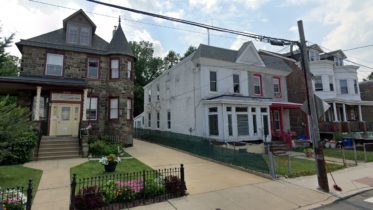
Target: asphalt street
359,201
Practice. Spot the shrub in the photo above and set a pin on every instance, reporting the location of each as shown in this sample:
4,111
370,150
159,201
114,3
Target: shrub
174,185
154,187
14,206
125,194
17,138
89,198
101,148
109,191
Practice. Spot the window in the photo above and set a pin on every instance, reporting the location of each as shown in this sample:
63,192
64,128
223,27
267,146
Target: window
213,81
242,121
318,83
91,108
54,65
236,83
143,120
73,34
344,88
129,69
114,69
65,113
338,61
258,84
276,119
355,87
213,121
276,87
230,126
253,111
331,84
169,120
149,120
158,89
114,108
85,36
92,71
150,95
313,55
129,109
158,120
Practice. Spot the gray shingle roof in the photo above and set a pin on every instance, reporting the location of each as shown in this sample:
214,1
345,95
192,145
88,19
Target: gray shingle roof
45,81
223,54
119,44
57,40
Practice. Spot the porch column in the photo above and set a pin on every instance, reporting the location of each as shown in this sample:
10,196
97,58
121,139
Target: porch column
360,114
85,101
37,104
335,112
344,113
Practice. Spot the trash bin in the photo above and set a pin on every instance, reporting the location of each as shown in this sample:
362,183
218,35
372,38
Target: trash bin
347,142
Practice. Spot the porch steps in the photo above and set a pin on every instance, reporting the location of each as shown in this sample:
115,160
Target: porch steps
279,148
58,148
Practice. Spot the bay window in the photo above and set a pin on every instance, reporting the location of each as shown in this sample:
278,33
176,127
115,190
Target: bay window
114,69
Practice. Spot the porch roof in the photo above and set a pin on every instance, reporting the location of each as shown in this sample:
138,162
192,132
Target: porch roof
238,99
349,102
23,82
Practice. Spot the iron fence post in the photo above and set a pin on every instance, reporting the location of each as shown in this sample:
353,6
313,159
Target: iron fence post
365,153
29,195
143,184
182,177
72,193
271,162
355,155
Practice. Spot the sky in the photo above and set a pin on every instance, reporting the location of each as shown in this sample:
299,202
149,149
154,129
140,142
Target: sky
333,24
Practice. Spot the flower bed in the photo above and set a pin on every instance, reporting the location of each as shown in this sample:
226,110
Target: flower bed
127,190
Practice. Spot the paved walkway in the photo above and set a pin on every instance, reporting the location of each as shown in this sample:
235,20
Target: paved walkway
54,188
215,186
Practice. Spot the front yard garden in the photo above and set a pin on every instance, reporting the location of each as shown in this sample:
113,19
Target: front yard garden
349,154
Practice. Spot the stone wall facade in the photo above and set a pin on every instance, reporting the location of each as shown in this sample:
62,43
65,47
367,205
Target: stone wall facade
75,67
366,94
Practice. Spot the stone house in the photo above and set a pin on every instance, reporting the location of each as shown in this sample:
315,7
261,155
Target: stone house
366,93
71,78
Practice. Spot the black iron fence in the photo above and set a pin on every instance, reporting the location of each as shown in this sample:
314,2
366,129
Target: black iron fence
16,197
120,191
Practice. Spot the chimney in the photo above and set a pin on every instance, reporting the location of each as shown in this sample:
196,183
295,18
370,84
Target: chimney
115,29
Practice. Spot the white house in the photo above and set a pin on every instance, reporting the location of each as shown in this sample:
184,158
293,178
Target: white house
222,94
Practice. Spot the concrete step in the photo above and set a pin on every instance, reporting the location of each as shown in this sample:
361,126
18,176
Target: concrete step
58,153
58,149
52,157
59,143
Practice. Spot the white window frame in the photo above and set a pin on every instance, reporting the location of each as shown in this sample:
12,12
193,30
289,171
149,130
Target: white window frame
129,108
213,113
129,70
158,92
340,86
356,88
331,83
149,119
114,111
169,119
158,120
90,106
114,69
318,81
97,68
213,82
258,83
237,76
150,95
58,63
278,93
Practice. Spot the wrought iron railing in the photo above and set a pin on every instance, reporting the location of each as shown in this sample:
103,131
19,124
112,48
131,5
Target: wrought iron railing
16,197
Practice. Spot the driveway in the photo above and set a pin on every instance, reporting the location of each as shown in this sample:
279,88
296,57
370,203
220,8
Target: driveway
200,175
216,186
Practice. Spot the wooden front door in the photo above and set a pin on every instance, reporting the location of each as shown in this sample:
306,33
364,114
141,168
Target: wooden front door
65,119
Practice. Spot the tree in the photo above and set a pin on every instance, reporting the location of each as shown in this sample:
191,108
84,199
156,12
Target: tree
370,77
171,59
8,63
147,68
189,51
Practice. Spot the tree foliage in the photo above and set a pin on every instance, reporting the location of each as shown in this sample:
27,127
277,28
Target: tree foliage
147,68
171,59
17,138
8,63
189,51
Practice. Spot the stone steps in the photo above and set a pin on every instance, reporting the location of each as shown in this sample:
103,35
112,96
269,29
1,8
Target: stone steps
58,148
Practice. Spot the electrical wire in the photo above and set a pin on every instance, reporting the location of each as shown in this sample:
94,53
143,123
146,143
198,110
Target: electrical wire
360,47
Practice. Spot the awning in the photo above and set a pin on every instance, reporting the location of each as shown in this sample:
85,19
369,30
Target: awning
285,105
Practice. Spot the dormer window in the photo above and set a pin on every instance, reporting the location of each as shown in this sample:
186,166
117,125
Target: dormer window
338,61
78,34
314,55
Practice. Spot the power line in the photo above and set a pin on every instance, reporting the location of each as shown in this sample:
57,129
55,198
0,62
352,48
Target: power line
271,40
360,47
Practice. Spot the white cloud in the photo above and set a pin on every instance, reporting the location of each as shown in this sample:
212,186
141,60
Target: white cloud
206,5
252,4
140,35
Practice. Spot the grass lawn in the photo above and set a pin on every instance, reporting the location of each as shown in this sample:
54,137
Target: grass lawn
18,175
300,167
349,154
93,168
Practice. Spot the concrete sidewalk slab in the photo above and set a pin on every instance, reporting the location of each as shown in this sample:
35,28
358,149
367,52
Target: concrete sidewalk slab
54,187
201,175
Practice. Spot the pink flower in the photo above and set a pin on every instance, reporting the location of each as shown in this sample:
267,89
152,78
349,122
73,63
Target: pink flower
135,185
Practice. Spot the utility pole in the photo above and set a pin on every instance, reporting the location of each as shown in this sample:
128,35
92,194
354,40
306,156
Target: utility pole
322,177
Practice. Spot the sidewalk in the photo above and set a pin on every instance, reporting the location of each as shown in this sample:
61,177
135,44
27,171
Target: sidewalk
54,188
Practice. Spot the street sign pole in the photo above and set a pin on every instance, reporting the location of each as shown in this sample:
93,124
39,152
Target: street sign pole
314,125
